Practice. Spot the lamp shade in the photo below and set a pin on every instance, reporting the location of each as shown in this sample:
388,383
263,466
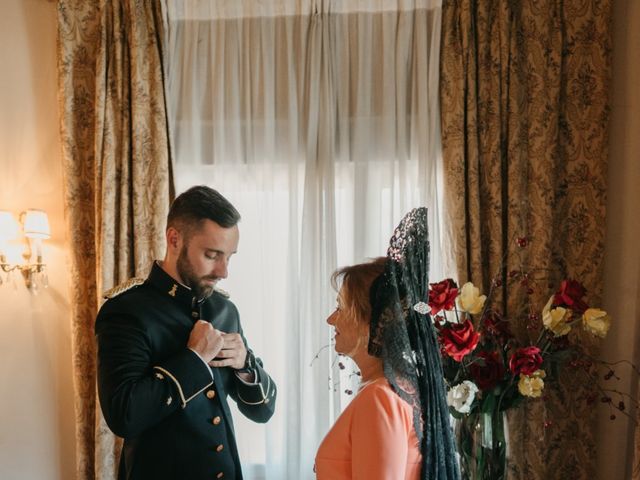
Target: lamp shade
36,224
8,226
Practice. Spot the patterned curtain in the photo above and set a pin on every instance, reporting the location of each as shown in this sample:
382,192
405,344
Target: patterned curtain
118,178
524,99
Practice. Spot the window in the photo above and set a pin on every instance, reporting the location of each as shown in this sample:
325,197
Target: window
322,130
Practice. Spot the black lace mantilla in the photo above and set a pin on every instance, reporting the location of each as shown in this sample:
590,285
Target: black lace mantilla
405,339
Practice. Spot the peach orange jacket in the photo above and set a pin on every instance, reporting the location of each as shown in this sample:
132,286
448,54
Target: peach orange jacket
373,439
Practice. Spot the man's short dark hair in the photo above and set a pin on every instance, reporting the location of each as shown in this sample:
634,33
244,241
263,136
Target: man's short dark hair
200,203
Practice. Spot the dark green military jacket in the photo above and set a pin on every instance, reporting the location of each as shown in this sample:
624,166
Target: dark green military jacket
167,403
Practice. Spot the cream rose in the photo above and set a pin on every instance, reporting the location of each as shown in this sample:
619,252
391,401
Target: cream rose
556,319
596,321
532,385
470,299
462,395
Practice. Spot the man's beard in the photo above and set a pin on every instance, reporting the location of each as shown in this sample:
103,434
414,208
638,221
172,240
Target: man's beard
191,280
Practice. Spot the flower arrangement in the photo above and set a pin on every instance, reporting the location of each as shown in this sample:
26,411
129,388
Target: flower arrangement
488,370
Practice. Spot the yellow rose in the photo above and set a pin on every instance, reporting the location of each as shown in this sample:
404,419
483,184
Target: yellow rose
596,321
556,319
532,385
470,299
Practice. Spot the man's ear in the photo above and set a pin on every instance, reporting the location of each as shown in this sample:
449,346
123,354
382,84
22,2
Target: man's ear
174,239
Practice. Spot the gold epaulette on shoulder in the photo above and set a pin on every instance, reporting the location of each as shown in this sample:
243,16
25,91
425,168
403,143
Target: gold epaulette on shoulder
123,287
222,292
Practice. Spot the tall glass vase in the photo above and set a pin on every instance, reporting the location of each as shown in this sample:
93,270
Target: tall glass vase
483,445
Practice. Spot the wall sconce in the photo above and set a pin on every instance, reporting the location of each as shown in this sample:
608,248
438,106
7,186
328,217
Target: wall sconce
35,228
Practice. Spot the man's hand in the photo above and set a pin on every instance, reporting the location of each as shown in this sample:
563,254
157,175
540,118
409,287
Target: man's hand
205,340
233,353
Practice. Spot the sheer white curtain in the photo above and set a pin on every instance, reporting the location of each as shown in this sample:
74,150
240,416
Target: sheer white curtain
319,121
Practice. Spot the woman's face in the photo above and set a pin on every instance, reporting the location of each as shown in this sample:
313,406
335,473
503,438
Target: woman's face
350,332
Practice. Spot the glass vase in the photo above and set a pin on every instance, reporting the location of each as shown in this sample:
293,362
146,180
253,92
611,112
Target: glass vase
483,446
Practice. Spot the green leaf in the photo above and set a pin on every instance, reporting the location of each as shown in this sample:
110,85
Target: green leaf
456,414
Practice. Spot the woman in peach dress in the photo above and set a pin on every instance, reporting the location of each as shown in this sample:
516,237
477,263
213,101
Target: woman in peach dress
397,427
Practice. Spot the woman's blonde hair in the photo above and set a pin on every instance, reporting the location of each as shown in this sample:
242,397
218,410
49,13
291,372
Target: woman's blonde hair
354,284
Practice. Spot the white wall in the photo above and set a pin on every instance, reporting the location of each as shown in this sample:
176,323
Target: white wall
36,401
622,256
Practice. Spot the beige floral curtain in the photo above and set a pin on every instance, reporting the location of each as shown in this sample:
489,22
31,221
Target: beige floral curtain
524,100
118,178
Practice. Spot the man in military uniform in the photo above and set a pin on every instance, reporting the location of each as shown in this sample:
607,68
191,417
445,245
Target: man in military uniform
171,349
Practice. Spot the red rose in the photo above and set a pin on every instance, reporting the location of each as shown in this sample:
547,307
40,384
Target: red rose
458,339
570,296
525,361
442,295
487,375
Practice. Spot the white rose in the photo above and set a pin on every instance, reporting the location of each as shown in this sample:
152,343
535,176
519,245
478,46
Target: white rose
556,319
596,321
532,385
462,395
470,299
